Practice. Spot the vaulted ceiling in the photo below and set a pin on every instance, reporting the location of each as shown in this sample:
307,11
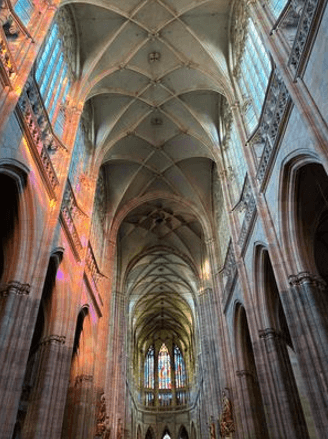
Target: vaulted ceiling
154,73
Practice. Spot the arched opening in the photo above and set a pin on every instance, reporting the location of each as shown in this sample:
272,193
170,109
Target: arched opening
166,434
79,402
139,432
9,200
193,432
150,433
253,409
183,434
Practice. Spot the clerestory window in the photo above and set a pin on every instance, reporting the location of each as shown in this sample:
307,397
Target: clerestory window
254,71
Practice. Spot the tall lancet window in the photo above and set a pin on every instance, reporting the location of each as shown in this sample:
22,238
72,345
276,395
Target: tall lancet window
277,6
149,369
253,74
180,369
164,368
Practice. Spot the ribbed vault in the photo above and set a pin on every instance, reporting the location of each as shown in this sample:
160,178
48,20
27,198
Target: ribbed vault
154,73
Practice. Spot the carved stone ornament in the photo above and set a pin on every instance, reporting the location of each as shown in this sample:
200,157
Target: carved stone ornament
154,56
248,204
227,425
268,333
80,379
102,420
15,287
53,339
307,278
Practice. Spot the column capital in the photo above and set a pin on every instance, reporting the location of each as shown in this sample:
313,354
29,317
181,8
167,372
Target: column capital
245,373
307,278
268,333
82,379
15,287
53,339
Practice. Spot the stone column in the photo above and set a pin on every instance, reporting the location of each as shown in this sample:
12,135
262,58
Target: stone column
81,420
306,306
253,421
15,306
279,390
47,401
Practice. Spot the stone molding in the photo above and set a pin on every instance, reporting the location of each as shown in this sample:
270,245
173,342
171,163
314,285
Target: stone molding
248,204
15,287
306,278
245,373
268,333
80,379
53,339
265,141
308,12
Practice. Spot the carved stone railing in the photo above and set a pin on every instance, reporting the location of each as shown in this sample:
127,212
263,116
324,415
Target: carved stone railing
92,268
230,272
308,15
69,210
9,69
247,203
42,140
267,135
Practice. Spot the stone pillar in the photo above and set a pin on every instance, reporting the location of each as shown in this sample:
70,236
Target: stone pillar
17,311
47,401
253,421
306,306
279,390
80,406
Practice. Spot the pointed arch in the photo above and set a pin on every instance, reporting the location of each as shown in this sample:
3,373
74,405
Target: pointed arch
183,434
150,434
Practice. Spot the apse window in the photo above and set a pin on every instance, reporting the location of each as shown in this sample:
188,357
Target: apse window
165,378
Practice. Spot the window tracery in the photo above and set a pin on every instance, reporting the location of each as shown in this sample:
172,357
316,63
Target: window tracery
56,66
24,10
164,368
251,65
180,368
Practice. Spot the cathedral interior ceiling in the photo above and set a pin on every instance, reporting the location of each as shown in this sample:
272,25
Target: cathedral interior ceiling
154,73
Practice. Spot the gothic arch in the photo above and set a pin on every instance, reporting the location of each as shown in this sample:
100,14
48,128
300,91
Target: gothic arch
139,432
183,434
250,396
298,258
166,431
193,434
150,434
19,203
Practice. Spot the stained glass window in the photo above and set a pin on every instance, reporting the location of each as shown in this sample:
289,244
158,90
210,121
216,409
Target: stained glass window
24,10
180,369
277,6
164,368
149,369
254,69
52,75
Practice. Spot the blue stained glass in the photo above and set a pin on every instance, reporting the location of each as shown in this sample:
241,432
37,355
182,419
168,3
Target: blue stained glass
277,6
48,72
150,369
48,48
180,369
24,10
54,79
58,91
164,368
